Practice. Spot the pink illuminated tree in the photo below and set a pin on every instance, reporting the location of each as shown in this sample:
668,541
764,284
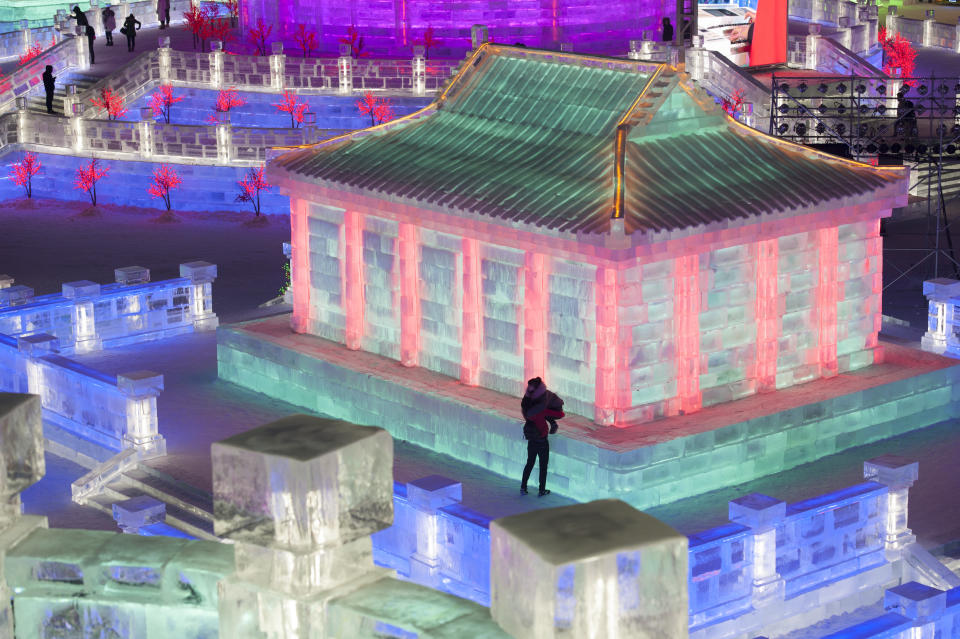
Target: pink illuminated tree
291,104
251,186
899,55
161,100
220,29
87,176
733,104
33,52
306,38
429,40
355,40
195,19
226,100
23,171
233,10
109,102
165,179
379,109
258,36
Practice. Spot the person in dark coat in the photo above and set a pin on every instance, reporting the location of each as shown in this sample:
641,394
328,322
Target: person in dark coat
667,30
109,24
91,36
80,17
49,86
540,408
130,27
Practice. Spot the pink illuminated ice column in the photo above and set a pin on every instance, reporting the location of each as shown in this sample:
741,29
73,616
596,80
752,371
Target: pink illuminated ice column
472,338
536,296
686,308
826,301
875,261
353,278
767,314
612,386
300,265
409,294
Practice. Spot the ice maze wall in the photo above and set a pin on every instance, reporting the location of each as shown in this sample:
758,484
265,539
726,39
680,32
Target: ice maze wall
623,342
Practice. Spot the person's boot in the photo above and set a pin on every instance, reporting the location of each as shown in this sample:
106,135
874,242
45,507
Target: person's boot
543,493
523,490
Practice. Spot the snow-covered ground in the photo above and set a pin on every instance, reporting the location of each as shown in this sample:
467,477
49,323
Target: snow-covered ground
44,245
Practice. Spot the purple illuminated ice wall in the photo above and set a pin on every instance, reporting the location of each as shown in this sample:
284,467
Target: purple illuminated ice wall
392,27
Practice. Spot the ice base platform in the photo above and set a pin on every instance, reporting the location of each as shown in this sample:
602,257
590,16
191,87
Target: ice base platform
644,464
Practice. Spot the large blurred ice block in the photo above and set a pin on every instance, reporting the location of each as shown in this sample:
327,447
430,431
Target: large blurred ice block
21,449
602,569
303,482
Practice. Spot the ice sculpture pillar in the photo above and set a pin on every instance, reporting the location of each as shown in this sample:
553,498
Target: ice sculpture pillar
201,276
898,474
762,514
300,498
21,465
941,337
602,569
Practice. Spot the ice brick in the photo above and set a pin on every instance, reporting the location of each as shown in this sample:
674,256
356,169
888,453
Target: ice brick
15,295
303,482
599,569
81,289
915,601
5,281
199,272
21,444
434,491
133,514
129,275
38,344
140,383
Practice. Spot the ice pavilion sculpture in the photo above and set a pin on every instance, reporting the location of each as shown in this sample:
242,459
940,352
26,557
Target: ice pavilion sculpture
598,222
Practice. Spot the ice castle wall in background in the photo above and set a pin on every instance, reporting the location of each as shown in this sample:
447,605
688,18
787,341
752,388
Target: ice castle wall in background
86,316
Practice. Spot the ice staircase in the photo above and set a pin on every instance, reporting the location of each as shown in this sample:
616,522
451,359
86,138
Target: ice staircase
189,509
37,103
926,174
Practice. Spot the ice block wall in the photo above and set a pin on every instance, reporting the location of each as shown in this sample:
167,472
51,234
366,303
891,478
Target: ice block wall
860,274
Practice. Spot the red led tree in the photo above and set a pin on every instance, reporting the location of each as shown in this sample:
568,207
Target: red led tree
195,19
291,104
899,54
429,40
251,186
258,36
233,10
165,179
355,40
87,176
24,170
220,29
379,109
306,38
226,100
732,106
109,102
33,52
161,100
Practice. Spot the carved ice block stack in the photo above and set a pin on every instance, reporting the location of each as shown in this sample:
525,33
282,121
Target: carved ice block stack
602,569
300,498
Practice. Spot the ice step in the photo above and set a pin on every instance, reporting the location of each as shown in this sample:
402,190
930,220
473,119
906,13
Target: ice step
172,492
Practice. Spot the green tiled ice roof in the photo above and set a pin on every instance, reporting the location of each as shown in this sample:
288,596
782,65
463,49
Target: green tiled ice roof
525,138
529,136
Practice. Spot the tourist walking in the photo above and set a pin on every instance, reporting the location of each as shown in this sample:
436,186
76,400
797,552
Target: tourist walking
109,24
163,13
91,36
49,86
130,27
540,408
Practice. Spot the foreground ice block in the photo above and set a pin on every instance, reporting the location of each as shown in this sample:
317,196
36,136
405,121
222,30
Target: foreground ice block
300,498
21,450
602,569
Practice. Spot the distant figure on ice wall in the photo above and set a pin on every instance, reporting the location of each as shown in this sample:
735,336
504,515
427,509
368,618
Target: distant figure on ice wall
539,406
80,17
109,24
48,86
130,27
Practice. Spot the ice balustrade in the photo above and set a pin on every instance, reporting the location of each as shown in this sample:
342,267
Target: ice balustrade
927,32
722,78
18,41
25,80
769,551
943,320
86,316
913,610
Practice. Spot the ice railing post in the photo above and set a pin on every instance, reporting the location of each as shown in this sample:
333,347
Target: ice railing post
419,70
201,276
762,514
21,465
216,64
83,293
929,21
941,336
426,496
299,498
898,474
277,65
145,128
142,432
345,69
163,56
26,35
479,34
568,571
